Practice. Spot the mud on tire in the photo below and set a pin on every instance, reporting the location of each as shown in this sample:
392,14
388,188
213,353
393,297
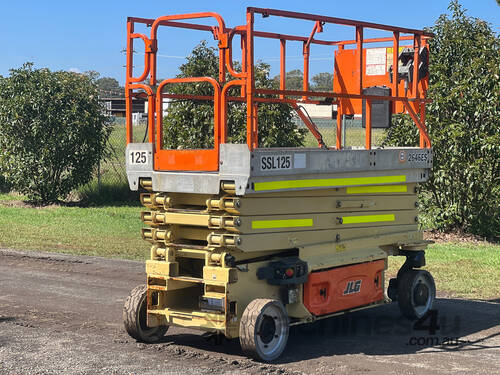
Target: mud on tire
134,317
264,328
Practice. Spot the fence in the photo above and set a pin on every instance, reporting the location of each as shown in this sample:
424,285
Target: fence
353,134
112,172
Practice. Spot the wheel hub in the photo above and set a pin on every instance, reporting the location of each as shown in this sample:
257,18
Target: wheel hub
421,294
267,329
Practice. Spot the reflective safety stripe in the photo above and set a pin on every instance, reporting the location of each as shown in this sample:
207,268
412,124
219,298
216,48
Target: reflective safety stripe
367,219
377,189
327,182
267,224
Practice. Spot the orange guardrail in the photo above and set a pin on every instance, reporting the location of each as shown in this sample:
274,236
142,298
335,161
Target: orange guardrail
353,72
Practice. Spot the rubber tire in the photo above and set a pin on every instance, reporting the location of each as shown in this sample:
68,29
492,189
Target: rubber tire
250,322
406,286
134,318
392,289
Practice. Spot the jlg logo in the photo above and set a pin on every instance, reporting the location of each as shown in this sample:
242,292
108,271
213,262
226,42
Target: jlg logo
352,287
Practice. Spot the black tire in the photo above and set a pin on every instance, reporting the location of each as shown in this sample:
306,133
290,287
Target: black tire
134,317
264,328
392,290
416,293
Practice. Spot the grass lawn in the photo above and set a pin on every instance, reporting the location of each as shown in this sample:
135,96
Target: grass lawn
461,269
112,231
468,270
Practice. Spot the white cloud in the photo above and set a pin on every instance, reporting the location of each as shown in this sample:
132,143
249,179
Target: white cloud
74,70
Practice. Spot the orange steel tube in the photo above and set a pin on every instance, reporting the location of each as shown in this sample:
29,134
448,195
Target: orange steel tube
282,66
151,107
368,125
243,43
312,127
305,80
338,138
395,64
234,98
128,99
423,142
229,56
158,21
229,65
416,63
359,52
340,21
420,126
146,58
317,28
250,82
285,101
264,34
261,34
128,114
222,72
159,106
188,96
327,94
306,50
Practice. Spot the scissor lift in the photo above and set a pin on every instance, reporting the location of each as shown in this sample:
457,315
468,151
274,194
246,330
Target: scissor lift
246,241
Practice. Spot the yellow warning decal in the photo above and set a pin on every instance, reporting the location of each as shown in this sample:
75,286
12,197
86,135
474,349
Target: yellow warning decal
377,189
287,223
367,219
327,182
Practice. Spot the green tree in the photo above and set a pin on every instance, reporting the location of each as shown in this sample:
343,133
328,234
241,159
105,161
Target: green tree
294,79
53,131
322,82
109,87
463,191
189,124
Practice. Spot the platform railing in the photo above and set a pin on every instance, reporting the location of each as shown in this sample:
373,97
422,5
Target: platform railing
411,99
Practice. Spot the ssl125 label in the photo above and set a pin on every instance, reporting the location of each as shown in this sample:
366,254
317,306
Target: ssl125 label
275,162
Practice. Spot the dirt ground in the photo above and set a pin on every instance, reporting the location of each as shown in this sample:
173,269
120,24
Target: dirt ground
61,314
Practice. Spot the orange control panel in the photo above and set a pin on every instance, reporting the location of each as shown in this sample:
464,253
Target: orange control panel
342,288
376,71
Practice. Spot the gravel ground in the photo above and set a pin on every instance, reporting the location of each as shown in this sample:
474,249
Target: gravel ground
61,314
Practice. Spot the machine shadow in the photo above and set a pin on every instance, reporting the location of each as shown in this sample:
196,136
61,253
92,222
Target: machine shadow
383,331
378,331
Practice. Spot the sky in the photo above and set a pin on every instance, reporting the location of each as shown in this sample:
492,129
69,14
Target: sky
91,35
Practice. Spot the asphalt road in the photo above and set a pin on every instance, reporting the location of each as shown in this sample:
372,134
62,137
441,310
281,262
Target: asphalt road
61,314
